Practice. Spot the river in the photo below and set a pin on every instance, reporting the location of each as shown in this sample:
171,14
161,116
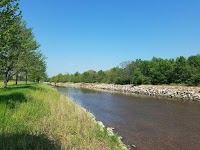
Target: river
149,123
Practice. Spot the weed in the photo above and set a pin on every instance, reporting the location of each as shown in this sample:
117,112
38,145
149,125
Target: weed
37,117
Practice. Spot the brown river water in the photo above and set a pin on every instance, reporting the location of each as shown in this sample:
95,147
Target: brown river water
149,123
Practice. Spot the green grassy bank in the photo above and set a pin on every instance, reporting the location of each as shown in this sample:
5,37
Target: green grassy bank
37,117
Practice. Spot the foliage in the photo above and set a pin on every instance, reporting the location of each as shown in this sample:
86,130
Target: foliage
155,71
18,47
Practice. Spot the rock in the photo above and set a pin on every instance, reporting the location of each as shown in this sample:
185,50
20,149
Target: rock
110,132
124,148
112,128
101,125
134,146
186,93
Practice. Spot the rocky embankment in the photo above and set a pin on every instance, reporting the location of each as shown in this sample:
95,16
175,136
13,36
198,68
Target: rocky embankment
177,92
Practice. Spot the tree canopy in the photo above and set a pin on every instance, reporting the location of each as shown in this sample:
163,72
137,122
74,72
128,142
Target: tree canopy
19,51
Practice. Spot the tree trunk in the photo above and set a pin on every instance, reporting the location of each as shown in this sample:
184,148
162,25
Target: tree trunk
5,80
26,77
16,79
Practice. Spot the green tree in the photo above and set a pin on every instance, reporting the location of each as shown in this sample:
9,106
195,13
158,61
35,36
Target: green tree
154,71
181,72
101,76
28,52
76,77
89,76
115,75
194,64
66,78
10,18
160,71
38,69
138,77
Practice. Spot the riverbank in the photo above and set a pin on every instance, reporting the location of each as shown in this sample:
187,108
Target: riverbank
38,117
176,92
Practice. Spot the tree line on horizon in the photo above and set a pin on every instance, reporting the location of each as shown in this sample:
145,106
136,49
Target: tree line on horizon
20,56
155,71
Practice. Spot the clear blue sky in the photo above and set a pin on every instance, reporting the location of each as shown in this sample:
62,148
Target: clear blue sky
79,35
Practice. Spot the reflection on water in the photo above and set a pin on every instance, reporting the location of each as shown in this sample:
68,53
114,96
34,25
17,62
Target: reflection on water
148,123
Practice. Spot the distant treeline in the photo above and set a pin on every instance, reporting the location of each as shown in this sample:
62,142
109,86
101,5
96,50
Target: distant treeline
155,71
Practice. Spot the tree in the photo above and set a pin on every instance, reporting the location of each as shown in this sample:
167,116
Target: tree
154,71
101,76
67,77
115,75
181,72
194,64
9,35
18,47
76,77
138,77
89,76
159,71
38,69
28,51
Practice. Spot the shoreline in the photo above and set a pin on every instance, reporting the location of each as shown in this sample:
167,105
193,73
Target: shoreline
109,130
53,121
167,91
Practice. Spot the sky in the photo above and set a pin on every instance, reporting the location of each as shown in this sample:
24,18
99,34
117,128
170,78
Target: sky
81,35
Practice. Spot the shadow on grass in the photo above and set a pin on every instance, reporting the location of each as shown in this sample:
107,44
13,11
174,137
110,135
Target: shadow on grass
15,88
24,86
27,142
14,95
13,99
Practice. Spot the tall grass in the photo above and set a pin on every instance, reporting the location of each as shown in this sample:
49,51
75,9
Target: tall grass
38,117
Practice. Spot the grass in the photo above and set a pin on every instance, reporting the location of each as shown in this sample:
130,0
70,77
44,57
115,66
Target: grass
37,117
